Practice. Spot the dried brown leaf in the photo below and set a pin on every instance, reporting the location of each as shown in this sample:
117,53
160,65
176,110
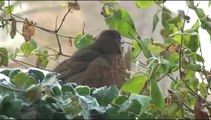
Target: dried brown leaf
28,30
13,28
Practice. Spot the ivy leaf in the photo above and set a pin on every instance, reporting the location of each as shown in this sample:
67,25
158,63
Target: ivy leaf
10,106
105,95
144,4
157,98
38,75
23,81
121,21
143,100
83,40
3,56
135,85
82,90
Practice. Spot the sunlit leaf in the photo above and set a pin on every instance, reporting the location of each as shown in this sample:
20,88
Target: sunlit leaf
144,4
134,85
154,48
82,40
196,25
3,56
42,61
135,49
9,9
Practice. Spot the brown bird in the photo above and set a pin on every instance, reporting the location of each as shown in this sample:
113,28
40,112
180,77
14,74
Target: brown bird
99,64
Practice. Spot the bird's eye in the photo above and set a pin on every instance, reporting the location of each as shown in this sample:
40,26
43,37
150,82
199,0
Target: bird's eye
121,41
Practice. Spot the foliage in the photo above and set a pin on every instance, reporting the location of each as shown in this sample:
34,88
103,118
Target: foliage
35,95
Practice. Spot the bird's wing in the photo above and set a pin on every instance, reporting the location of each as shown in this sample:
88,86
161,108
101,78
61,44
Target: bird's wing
76,64
97,72
103,71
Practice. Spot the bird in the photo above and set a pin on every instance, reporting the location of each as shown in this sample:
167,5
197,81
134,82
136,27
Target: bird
96,65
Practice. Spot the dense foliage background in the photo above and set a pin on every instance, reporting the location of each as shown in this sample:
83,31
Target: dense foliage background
35,93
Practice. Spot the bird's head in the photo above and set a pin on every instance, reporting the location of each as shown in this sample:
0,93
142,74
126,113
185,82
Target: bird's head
108,42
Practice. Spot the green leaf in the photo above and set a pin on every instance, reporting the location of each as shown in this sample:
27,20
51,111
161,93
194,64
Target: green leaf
143,100
200,13
2,3
42,61
194,67
83,40
190,4
134,85
194,43
135,49
155,49
157,98
174,20
27,47
22,81
120,100
9,9
3,56
144,4
57,91
10,107
40,52
37,74
83,90
105,95
144,42
166,15
13,55
209,3
155,20
196,25
121,21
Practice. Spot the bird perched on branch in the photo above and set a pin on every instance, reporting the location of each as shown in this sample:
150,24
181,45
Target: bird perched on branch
99,64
